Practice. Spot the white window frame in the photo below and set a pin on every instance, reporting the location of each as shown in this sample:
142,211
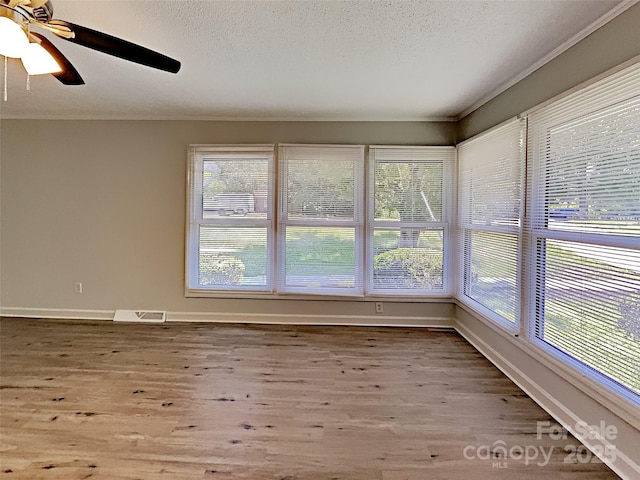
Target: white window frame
446,156
357,223
505,142
599,94
195,217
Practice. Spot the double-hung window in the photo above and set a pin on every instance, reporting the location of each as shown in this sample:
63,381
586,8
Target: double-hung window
231,222
490,175
410,191
584,213
321,219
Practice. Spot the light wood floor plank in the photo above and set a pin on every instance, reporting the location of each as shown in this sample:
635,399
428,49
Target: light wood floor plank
188,401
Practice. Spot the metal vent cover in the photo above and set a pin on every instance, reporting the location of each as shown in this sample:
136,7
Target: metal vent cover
143,316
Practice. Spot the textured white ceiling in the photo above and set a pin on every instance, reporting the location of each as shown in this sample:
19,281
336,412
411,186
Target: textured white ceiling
302,60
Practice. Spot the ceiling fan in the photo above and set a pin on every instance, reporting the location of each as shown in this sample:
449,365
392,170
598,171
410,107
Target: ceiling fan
25,13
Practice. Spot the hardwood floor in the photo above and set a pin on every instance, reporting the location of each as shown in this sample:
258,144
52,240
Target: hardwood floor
188,401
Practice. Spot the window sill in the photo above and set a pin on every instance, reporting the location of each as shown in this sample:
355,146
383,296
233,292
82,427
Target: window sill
440,297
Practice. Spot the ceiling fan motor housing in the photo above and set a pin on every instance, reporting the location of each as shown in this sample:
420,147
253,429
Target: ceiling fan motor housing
44,13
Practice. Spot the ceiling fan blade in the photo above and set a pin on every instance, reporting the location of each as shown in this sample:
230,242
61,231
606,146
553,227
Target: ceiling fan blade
69,75
117,47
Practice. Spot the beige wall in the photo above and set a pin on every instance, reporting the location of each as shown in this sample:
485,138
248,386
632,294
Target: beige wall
103,203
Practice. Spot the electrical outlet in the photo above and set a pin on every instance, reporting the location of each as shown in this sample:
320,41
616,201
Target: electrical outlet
77,287
379,307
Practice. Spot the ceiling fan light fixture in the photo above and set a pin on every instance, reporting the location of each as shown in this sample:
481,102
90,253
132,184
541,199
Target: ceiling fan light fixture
37,61
13,39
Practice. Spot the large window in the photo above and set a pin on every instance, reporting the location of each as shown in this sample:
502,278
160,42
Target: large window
321,218
569,261
231,230
584,231
490,191
311,229
409,213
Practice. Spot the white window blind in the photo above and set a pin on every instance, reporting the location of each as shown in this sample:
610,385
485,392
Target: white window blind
230,234
490,173
585,228
409,214
321,219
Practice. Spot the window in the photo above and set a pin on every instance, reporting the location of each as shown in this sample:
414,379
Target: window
584,230
321,219
231,230
491,168
318,240
409,214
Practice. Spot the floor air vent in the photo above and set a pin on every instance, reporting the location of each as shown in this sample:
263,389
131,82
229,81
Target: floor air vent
144,316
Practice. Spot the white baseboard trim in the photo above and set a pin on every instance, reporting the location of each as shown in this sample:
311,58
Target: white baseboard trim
619,462
57,313
258,318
